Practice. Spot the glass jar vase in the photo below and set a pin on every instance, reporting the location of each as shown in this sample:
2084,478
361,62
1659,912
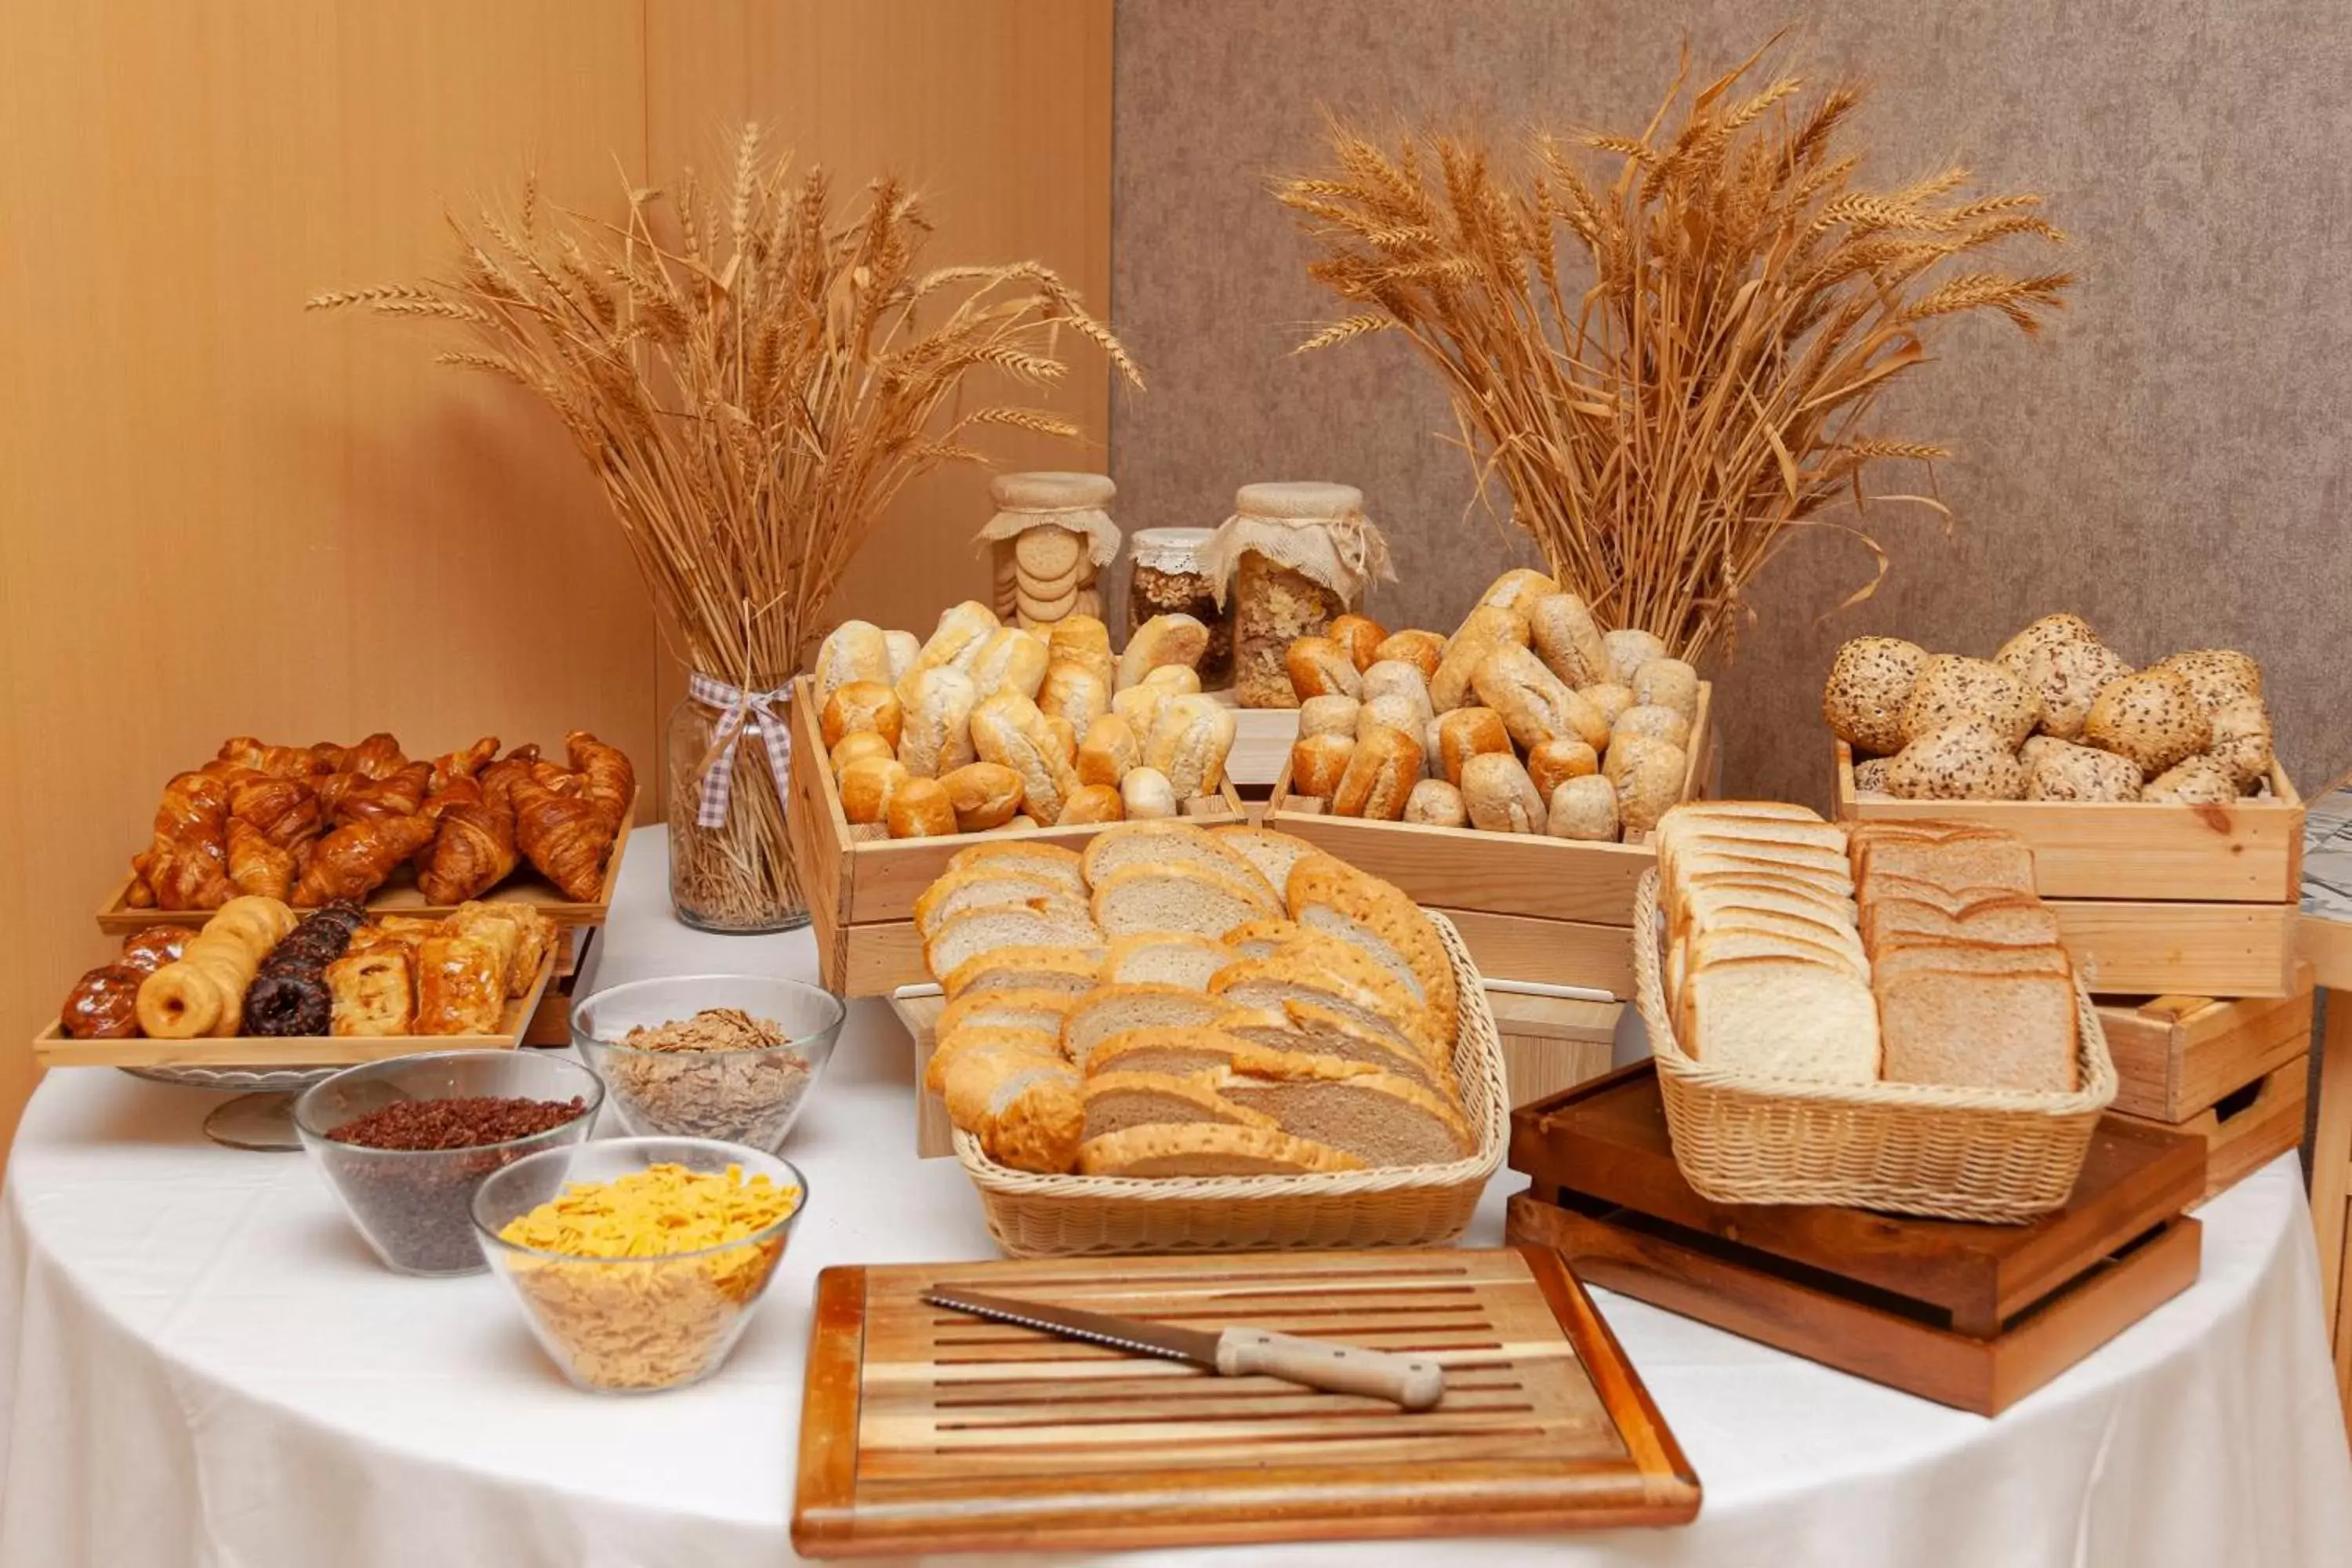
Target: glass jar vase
741,876
1167,576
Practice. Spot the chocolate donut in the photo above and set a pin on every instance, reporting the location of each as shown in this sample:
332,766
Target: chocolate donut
284,1004
103,1003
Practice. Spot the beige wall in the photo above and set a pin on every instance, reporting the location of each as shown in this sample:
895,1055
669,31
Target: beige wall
2168,462
219,514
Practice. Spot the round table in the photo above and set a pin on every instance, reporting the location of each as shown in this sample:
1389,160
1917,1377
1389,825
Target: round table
203,1365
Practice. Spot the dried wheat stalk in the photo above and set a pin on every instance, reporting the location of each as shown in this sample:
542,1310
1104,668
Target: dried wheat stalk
1670,368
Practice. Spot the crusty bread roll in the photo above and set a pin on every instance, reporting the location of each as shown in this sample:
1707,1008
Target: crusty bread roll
1064,737
1436,804
1648,775
1138,705
1466,732
1162,641
1657,723
982,795
919,809
1189,743
1175,679
1517,590
858,743
936,737
1092,803
1084,641
867,785
1317,762
1320,667
1009,659
1008,729
1359,635
1109,749
1422,650
1486,629
1380,776
1584,806
1536,705
1498,795
1433,750
963,630
1629,649
861,705
1566,638
1608,698
905,650
1073,692
1555,761
1396,677
1333,715
853,651
1145,795
1668,683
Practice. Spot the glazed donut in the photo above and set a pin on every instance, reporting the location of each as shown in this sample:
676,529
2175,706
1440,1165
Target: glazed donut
103,1003
150,950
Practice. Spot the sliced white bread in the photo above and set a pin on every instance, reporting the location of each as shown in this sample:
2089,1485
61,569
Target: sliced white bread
1071,970
1823,849
1040,1010
1780,1017
1111,1010
1048,860
1375,1005
958,891
1261,939
1380,1118
996,1045
1165,958
1178,898
1273,854
1693,820
1713,864
1838,892
1991,862
1714,946
1209,1151
1115,1102
1739,810
1703,903
1818,929
1980,1031
1159,843
1306,1028
991,927
1177,1050
2009,921
1326,894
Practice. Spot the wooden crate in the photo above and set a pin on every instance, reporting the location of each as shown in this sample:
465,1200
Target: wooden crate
2189,900
862,887
1555,912
2177,1056
1551,1043
2250,1127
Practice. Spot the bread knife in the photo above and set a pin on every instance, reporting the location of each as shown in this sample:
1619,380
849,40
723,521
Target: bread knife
1407,1380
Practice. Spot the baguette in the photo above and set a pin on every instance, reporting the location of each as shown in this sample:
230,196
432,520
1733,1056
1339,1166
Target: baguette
1305,1029
1114,1010
1037,1011
1275,855
1172,1048
988,927
1381,1119
1116,1101
1381,770
1324,893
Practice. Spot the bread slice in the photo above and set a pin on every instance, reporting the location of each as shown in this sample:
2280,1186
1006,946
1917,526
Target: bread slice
1780,1017
1273,854
1161,843
1071,970
1980,1031
1115,1009
1178,898
1114,1101
1306,1028
1879,888
1177,1050
2008,922
1326,973
993,926
1739,810
957,891
1040,1010
1990,862
1737,942
1824,851
1380,1118
995,1043
1705,902
1969,957
1165,958
1330,896
1261,939
1048,860
1209,1151
1819,929
1715,865
1682,824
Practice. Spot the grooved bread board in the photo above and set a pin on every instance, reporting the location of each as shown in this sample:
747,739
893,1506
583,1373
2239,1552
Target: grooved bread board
928,1430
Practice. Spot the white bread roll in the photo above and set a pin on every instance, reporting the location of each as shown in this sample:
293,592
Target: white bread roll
1008,729
1359,635
1140,706
919,809
1583,807
1422,650
1436,804
861,705
1658,723
1189,743
1333,715
1498,795
866,787
853,651
1395,675
1010,660
1075,692
905,648
1146,796
982,794
856,744
1084,641
1175,679
1092,803
936,734
963,630
1108,750
1162,641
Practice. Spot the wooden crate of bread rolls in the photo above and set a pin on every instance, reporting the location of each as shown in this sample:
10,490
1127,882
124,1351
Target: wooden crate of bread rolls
2164,831
905,752
1506,775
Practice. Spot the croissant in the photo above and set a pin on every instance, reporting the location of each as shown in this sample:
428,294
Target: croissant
367,798
377,757
278,762
256,865
284,810
565,836
498,780
187,864
473,850
353,860
451,766
607,779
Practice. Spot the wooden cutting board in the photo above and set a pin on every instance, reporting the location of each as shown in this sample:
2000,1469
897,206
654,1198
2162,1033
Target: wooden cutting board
927,1430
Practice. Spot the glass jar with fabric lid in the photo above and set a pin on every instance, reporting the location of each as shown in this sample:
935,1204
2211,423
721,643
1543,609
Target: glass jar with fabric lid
1050,538
1168,575
1295,556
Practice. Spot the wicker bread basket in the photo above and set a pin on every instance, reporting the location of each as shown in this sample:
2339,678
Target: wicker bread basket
2001,1155
1403,1205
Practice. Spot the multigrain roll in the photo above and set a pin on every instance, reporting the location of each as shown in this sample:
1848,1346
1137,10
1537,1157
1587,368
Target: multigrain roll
1380,776
1486,629
1320,666
1517,591
1668,683
1392,710
1565,637
1498,795
1317,762
1395,677
1555,761
1536,705
1464,733
1436,804
1583,808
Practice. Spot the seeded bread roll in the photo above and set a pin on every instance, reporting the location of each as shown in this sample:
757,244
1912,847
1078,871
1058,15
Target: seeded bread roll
1567,639
1320,667
1010,660
1146,796
1075,693
1870,680
2049,632
1108,751
1190,744
1009,730
1162,641
982,795
1498,795
1582,808
856,744
1359,635
1556,762
2067,677
936,737
1084,641
1433,803
1518,590
1966,761
1486,629
861,705
1317,762
2062,771
1629,649
2154,718
1951,690
1536,705
2193,781
1380,776
1092,803
2215,674
1465,733
1422,650
1332,715
2242,739
853,651
919,809
867,785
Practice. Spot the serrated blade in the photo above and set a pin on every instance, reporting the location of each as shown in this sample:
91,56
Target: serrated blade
1131,1334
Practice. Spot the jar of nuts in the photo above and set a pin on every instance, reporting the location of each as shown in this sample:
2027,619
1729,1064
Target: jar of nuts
1167,576
1051,538
1297,555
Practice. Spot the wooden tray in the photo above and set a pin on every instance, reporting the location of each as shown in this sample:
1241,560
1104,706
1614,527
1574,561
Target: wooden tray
925,1430
2175,1056
1974,1316
401,896
53,1049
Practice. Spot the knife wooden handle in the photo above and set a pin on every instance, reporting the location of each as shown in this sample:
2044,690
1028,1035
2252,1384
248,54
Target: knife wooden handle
1413,1382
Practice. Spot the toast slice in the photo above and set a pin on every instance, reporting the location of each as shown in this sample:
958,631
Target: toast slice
1738,941
1980,1031
1781,1017
1967,957
1878,889
1209,1151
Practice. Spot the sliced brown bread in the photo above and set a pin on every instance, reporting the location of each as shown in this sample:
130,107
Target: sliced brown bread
1161,842
1881,887
957,891
1273,854
1380,1118
1040,1010
1780,1017
1049,860
993,926
1110,1010
1342,980
2009,921
1165,958
1209,1151
1980,1031
1114,1101
1071,970
1329,895
1178,898
1987,862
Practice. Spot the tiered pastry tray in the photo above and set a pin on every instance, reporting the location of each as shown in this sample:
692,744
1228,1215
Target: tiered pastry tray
1974,1316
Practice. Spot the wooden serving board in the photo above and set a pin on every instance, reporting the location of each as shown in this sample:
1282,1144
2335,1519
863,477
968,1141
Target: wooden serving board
1969,1315
927,1430
52,1048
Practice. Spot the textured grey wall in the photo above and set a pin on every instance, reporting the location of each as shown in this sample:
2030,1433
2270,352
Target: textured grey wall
2167,461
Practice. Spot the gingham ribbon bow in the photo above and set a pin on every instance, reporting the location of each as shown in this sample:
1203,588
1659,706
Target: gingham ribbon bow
739,709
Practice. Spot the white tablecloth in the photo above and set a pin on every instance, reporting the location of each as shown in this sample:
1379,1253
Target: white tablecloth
200,1364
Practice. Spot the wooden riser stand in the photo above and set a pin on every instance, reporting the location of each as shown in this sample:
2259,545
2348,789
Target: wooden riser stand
2232,1073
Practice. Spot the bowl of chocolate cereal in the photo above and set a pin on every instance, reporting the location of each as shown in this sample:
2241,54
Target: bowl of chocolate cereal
727,1057
405,1142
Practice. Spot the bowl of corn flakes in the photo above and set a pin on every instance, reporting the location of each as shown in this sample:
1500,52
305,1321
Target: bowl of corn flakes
638,1262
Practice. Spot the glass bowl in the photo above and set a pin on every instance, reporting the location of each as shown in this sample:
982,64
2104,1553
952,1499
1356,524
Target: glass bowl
415,1207
633,1324
749,1097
